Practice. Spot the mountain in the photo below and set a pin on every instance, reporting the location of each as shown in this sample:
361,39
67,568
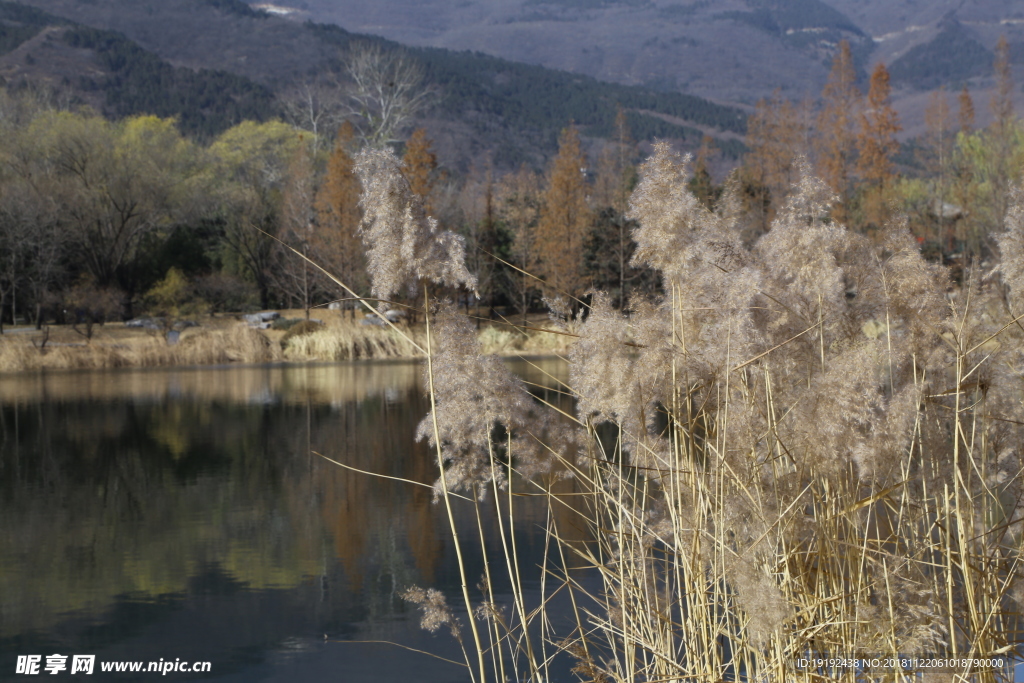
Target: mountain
115,76
510,110
734,51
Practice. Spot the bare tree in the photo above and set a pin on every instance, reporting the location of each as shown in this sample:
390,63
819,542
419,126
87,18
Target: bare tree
385,93
315,105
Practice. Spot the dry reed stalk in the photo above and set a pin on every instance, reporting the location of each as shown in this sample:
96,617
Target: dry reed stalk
806,448
349,341
238,344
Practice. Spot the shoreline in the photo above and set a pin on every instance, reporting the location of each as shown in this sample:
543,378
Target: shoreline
225,342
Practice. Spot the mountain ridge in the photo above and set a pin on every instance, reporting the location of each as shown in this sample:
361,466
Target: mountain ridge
513,109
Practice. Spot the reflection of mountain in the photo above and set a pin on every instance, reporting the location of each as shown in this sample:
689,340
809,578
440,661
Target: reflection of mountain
183,513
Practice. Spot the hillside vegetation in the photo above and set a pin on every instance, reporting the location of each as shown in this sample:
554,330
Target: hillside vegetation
515,109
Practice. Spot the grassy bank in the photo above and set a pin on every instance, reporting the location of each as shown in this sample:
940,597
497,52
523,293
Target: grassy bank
223,340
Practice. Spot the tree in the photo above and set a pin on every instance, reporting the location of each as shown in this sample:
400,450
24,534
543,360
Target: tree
565,218
879,124
876,145
937,155
246,176
296,278
519,202
836,147
702,185
966,113
335,241
483,237
616,172
385,93
315,106
419,164
616,176
116,184
964,189
776,135
1002,132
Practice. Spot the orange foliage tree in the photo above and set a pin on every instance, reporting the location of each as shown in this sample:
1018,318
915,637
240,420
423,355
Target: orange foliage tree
876,145
775,136
836,147
419,164
565,218
335,243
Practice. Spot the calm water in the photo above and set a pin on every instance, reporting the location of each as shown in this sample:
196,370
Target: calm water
181,514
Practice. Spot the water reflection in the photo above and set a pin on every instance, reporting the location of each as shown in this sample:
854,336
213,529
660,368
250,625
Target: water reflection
180,513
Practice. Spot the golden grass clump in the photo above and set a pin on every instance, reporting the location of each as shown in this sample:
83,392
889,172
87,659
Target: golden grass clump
300,329
351,341
810,446
237,344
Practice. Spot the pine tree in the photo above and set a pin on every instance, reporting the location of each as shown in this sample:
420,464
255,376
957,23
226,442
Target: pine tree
836,143
565,218
336,245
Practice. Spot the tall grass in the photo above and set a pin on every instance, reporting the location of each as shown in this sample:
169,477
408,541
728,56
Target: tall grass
238,344
810,446
351,341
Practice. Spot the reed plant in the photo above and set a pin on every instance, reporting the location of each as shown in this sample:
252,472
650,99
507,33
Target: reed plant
236,344
809,447
345,340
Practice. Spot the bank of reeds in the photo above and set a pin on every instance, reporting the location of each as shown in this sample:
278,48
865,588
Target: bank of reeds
351,341
809,449
237,344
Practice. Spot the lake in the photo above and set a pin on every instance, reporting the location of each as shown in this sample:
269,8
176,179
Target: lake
182,514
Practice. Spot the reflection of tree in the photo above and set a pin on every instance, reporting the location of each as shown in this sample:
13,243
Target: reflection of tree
161,499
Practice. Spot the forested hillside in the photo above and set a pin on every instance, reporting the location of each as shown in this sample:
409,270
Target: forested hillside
130,80
484,103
